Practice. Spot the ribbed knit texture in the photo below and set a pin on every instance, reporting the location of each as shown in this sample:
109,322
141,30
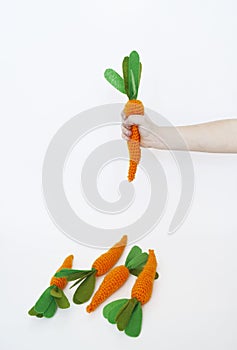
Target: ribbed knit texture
134,107
61,282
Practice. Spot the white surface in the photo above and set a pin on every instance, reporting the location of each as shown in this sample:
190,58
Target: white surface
53,54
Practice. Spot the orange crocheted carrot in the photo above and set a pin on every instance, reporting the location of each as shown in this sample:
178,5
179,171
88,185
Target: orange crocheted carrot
127,313
134,107
142,289
107,260
129,85
53,296
86,278
116,277
62,282
112,282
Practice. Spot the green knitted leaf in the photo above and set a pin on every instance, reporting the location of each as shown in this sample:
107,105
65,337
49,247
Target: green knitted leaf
124,316
72,275
39,315
134,326
110,306
125,74
133,74
133,88
44,301
115,79
133,252
140,73
84,292
51,309
137,261
56,292
32,312
62,302
111,310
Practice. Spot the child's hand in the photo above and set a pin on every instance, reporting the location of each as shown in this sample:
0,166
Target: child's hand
149,131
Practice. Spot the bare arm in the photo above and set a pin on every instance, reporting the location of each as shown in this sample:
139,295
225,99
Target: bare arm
215,137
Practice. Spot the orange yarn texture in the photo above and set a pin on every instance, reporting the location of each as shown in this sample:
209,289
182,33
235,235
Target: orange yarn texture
112,282
142,289
61,282
107,260
134,107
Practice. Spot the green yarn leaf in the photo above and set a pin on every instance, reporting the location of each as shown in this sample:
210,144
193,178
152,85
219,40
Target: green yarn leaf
137,261
124,315
56,292
72,275
135,251
125,74
111,310
32,312
44,301
84,292
115,80
110,306
134,326
140,73
51,309
133,88
133,74
63,302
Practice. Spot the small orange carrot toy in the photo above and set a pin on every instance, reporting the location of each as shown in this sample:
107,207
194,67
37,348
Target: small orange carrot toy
116,277
129,85
127,313
53,296
87,278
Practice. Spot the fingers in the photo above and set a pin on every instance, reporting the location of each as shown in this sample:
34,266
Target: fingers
134,120
126,138
123,116
126,130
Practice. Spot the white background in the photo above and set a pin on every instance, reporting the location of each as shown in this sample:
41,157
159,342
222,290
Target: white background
52,56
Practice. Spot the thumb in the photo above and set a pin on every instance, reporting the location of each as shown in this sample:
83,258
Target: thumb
134,120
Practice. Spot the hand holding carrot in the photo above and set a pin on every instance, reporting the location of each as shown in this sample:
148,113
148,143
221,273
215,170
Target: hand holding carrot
149,131
129,85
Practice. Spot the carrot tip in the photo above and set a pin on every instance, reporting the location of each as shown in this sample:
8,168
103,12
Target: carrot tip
89,309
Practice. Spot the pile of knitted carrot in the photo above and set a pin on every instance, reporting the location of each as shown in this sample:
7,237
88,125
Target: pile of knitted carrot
127,313
53,296
129,85
86,278
116,277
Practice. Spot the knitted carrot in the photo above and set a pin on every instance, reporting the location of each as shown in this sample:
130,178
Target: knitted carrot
53,296
118,276
129,85
127,314
87,278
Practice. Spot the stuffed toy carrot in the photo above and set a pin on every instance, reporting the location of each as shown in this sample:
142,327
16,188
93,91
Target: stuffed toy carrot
87,278
116,277
53,296
129,85
127,313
